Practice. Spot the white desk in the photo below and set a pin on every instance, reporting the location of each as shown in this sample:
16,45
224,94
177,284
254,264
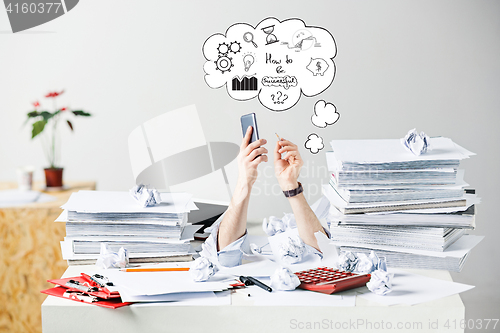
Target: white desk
60,315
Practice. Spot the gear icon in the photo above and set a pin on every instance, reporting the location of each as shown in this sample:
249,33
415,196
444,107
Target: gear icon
224,63
223,49
235,47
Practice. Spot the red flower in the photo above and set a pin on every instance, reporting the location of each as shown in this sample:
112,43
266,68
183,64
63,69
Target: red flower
63,109
54,94
36,104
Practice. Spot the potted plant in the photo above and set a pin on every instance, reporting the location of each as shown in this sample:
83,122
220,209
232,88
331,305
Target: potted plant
50,143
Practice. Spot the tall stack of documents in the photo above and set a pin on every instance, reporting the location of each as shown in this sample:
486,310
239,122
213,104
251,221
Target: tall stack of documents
385,198
150,234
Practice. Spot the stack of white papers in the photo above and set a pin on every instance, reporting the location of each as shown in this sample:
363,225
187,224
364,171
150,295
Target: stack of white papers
377,206
451,259
366,155
423,238
382,195
461,219
381,175
148,233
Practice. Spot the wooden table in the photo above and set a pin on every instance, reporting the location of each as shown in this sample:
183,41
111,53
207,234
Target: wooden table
29,255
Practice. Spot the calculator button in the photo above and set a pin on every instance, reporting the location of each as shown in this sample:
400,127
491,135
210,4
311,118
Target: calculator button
312,280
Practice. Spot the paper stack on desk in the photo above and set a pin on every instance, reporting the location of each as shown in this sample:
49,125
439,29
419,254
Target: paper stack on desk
383,197
150,234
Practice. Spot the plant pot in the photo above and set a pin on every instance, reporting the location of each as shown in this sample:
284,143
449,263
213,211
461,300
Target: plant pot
53,177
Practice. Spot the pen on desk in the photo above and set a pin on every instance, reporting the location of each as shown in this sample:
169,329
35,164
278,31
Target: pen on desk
248,281
167,269
260,284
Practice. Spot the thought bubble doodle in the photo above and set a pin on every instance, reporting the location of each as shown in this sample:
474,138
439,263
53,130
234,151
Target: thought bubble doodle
314,143
274,61
324,114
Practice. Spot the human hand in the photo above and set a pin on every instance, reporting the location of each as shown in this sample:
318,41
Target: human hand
287,168
249,158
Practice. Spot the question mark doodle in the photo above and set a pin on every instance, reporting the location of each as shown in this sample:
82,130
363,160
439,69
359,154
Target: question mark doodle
278,96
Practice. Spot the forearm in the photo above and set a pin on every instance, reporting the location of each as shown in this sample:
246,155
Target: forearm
233,225
307,222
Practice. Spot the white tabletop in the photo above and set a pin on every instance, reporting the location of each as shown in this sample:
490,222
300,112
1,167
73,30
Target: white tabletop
61,315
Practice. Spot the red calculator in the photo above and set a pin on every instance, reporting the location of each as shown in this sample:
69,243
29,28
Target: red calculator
328,280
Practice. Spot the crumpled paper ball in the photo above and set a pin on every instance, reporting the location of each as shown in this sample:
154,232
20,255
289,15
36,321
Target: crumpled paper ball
203,269
145,196
360,263
367,264
273,226
380,282
284,279
382,264
418,144
347,261
292,251
289,221
109,259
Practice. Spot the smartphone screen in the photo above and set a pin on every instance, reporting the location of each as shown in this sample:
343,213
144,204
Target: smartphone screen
250,120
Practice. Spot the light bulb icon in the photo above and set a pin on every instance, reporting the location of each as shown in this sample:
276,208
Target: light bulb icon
248,61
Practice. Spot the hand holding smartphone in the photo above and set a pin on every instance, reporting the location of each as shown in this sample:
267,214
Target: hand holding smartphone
250,120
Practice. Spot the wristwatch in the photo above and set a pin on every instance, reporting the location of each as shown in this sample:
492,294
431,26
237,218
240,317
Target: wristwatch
294,192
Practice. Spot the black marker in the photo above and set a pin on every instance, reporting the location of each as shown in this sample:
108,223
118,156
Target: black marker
248,281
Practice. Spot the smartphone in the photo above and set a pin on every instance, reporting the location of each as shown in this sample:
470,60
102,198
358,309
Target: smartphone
250,120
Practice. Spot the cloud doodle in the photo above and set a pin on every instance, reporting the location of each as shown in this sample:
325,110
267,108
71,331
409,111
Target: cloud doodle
324,114
314,143
276,61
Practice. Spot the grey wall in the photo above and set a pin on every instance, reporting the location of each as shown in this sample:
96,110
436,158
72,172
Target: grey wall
433,65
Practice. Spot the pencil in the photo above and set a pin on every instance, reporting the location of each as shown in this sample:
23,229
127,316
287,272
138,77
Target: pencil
279,139
171,269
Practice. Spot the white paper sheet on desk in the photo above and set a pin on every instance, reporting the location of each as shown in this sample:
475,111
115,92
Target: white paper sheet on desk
173,297
411,289
266,267
297,297
260,268
219,298
158,283
10,198
118,201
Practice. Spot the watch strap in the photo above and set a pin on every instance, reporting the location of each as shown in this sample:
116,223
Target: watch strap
294,192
